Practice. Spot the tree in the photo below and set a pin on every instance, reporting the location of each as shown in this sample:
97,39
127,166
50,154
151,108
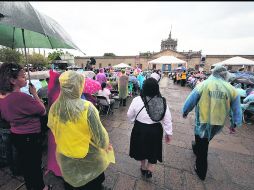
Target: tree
52,56
109,54
37,60
145,54
10,55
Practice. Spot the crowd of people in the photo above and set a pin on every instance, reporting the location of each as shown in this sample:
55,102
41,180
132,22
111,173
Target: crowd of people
79,148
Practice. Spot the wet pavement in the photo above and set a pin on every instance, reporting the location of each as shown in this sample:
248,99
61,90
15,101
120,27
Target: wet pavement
230,156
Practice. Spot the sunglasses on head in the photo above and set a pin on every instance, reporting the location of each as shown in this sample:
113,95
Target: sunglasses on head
14,69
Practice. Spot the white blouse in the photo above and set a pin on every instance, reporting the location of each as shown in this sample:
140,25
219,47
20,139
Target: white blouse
143,116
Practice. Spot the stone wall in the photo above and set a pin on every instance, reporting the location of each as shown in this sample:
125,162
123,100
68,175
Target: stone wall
212,59
102,61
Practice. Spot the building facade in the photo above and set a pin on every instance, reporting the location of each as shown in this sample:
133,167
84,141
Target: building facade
194,59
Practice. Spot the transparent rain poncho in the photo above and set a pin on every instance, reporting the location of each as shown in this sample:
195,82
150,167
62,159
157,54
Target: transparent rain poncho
81,140
123,86
214,98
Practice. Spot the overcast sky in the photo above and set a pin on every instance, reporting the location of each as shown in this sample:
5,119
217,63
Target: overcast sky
127,28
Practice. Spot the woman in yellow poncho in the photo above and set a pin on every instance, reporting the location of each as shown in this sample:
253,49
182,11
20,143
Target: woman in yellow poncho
83,151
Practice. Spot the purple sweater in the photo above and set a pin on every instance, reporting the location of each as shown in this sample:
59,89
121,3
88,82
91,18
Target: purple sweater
22,112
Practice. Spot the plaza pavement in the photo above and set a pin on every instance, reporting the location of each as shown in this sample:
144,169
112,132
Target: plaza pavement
230,157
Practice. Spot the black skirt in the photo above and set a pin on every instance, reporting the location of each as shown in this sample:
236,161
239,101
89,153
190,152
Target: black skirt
146,142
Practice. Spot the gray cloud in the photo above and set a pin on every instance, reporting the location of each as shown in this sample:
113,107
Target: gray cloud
127,28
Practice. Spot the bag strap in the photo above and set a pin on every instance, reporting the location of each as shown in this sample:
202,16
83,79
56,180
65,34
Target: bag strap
142,108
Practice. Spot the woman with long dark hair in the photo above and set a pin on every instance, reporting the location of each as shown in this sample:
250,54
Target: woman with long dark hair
150,115
23,113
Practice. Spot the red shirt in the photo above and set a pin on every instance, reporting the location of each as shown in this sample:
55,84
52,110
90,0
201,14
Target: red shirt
22,112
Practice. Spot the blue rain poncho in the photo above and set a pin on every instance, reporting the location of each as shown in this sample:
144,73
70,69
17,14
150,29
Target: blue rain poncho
213,98
81,140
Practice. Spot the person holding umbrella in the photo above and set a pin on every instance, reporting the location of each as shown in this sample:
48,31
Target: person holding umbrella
24,119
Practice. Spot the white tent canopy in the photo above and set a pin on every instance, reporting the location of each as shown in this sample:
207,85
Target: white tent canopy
167,60
122,65
236,61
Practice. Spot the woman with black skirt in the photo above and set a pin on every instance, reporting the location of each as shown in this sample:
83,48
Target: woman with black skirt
150,115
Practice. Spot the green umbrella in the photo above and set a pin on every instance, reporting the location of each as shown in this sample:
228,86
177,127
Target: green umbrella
22,26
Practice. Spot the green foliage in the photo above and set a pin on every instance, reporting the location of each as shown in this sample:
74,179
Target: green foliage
10,55
145,54
109,54
37,60
52,56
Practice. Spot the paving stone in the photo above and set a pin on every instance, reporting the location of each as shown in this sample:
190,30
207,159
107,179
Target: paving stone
241,170
211,184
193,182
176,157
125,164
174,179
4,178
120,141
144,185
158,175
125,182
10,184
216,169
229,146
110,178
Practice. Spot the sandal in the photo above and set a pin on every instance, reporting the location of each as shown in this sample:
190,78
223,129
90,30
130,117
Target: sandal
149,174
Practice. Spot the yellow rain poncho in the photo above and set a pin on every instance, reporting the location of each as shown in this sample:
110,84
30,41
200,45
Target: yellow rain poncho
81,140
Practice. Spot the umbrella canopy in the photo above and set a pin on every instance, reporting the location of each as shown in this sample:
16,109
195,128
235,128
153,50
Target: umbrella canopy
39,75
88,74
182,68
237,61
91,86
167,60
22,26
122,65
40,31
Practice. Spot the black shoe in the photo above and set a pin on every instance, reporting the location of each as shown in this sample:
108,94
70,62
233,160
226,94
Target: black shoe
50,187
200,177
193,147
143,171
149,174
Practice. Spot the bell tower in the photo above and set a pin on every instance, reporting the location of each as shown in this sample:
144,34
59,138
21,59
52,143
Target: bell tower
169,43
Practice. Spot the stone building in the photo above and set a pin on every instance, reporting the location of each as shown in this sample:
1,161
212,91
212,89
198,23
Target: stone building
169,43
168,47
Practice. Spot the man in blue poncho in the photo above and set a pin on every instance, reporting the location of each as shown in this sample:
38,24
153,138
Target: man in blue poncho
213,99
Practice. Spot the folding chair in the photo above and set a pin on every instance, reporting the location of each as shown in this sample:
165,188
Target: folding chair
103,104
